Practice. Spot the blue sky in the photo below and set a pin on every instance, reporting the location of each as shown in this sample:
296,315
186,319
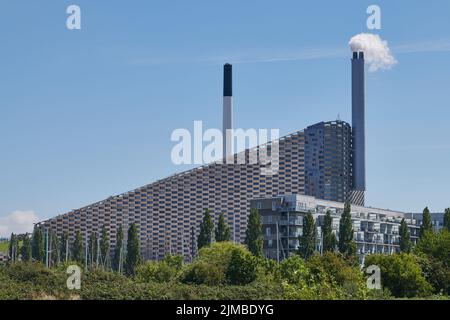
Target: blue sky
86,114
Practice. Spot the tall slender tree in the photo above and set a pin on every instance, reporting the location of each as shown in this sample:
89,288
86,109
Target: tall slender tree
447,219
426,222
223,232
77,248
13,247
92,249
346,243
253,234
64,250
205,236
133,250
307,241
104,247
405,238
37,245
55,249
26,249
328,237
119,250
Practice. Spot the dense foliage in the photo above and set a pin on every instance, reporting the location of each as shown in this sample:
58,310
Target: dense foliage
225,270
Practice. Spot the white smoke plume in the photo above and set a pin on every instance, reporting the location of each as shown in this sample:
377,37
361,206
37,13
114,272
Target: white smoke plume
376,51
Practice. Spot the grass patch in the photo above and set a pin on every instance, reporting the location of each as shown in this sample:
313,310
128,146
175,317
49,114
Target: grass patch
4,246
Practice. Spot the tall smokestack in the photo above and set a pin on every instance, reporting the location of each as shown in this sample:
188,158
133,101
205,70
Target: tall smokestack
227,111
358,128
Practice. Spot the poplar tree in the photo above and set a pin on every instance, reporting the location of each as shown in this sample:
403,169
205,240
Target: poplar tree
118,252
205,237
307,241
37,245
426,222
13,247
328,237
104,246
64,250
447,219
77,248
92,249
253,234
25,251
133,250
405,239
346,244
223,232
55,249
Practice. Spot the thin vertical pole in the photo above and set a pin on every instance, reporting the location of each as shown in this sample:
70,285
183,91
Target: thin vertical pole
50,250
67,248
85,251
278,248
98,251
234,227
46,248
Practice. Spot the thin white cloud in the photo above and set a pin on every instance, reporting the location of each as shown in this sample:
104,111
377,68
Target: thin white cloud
429,46
441,45
19,221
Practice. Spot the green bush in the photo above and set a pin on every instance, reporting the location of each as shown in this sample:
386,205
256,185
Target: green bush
213,262
293,270
242,268
401,274
202,272
436,245
336,268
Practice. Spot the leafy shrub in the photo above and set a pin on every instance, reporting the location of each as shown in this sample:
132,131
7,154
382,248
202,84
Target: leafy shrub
401,274
334,267
293,270
211,266
202,272
242,268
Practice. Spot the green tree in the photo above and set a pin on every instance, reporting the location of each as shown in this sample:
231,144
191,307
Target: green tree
253,234
447,219
346,244
212,264
329,238
26,249
205,236
434,250
119,251
241,268
401,274
223,232
64,248
77,248
13,249
104,246
133,250
92,249
426,222
307,241
37,245
55,253
405,239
